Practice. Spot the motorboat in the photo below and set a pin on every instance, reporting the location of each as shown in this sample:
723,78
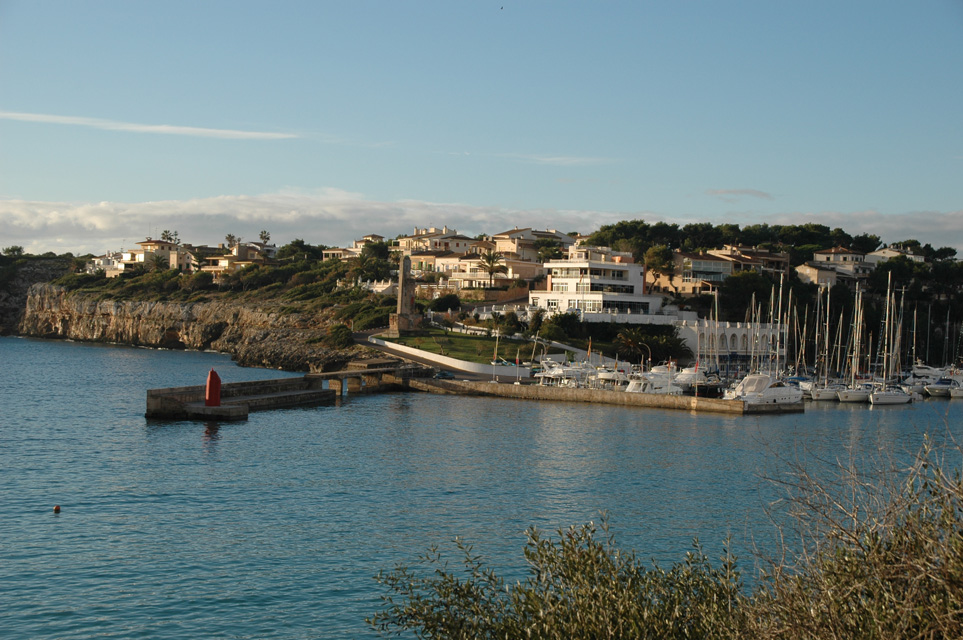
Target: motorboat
690,376
607,378
942,387
653,382
762,388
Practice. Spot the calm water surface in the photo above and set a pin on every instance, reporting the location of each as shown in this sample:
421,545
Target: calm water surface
275,527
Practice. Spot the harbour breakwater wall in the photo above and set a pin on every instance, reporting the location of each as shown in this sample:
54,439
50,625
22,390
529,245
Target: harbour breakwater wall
599,396
237,398
255,336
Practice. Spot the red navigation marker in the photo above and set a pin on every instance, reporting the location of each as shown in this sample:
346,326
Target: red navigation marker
212,395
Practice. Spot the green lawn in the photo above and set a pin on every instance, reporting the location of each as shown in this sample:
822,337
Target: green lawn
479,349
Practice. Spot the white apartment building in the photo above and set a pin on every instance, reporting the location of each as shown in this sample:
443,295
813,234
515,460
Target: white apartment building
599,284
890,252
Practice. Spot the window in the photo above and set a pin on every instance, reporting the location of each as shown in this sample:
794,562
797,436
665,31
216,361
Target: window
589,306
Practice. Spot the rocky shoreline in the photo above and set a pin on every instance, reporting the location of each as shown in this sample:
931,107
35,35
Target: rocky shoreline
253,336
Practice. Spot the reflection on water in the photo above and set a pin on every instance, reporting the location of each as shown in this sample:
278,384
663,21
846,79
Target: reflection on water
211,431
274,527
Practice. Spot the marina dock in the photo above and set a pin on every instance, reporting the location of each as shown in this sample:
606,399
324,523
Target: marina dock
238,399
601,396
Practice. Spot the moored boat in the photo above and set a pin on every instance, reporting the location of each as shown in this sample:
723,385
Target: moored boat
942,387
762,388
890,395
857,393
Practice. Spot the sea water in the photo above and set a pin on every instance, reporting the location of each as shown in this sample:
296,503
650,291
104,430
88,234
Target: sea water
275,527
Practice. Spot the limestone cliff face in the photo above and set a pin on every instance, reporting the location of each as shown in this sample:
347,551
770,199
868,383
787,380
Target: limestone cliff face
15,282
258,337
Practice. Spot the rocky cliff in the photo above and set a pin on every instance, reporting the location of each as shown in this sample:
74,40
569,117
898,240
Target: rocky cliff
15,282
254,336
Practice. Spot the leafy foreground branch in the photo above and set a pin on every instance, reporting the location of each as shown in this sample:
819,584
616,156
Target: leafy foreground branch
881,559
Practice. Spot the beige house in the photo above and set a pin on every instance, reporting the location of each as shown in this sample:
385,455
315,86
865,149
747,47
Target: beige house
466,272
239,256
693,274
817,273
520,243
425,261
146,252
774,263
343,253
433,239
833,266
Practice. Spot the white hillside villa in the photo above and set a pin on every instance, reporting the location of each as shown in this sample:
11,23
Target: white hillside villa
601,285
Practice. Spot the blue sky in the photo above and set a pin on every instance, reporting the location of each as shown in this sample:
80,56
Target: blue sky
328,120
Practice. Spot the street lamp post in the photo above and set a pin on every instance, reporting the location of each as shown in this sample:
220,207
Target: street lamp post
650,355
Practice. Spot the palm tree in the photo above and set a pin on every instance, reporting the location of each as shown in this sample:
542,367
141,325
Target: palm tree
490,264
630,342
159,263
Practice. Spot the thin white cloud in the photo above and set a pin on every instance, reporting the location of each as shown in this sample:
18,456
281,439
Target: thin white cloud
330,216
164,129
558,161
734,195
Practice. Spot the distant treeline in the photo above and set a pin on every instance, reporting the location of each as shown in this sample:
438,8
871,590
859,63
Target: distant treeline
799,240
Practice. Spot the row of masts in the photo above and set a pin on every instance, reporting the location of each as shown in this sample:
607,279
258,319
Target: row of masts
781,342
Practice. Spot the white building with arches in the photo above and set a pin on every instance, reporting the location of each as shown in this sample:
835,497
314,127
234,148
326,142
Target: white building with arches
735,346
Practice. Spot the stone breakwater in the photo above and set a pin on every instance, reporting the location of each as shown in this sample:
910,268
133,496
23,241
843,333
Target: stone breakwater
253,336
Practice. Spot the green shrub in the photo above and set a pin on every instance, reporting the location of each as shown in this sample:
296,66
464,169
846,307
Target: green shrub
371,319
444,303
579,586
881,556
72,281
339,337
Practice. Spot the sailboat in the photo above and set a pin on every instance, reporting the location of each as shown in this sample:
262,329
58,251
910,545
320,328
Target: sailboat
821,388
886,393
855,392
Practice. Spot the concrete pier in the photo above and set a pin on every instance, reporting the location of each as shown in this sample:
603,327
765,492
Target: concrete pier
237,399
600,396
